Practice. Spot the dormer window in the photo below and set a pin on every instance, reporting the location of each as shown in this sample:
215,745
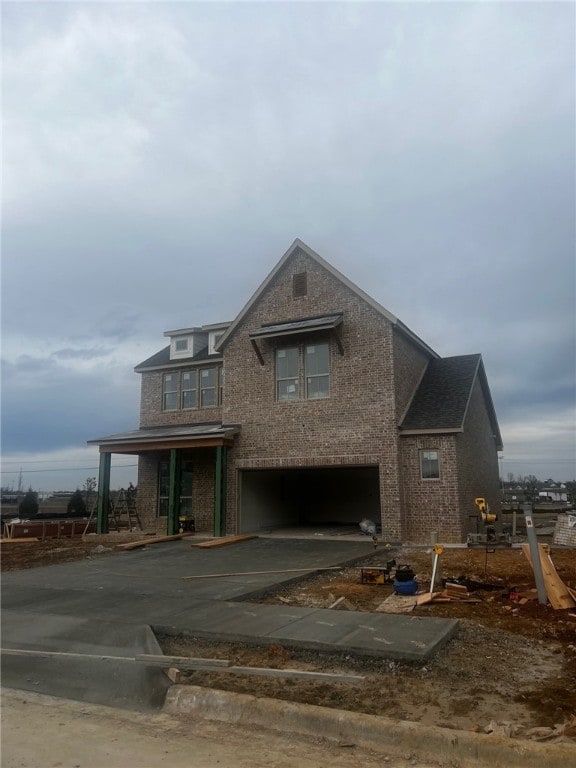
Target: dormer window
181,345
213,339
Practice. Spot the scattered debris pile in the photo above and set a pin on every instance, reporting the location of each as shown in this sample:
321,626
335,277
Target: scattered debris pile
560,733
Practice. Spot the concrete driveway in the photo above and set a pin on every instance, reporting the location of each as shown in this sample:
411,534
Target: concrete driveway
106,606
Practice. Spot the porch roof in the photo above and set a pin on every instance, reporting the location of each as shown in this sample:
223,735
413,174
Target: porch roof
164,438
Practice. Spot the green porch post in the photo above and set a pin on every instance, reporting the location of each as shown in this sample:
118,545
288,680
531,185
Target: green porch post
220,491
103,493
174,492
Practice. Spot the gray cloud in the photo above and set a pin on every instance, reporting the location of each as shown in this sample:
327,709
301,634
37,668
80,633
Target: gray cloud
160,158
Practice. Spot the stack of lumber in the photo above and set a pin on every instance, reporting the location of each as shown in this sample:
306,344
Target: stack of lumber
559,595
456,591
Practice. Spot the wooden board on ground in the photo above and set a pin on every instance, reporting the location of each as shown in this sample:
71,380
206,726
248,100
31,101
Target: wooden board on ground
29,540
426,597
260,573
182,662
224,665
558,593
224,541
297,674
397,604
153,540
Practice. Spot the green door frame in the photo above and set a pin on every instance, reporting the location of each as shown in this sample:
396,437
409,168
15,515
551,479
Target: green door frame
220,491
102,524
174,491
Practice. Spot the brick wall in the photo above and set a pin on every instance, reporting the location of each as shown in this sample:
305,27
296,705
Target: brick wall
146,498
477,462
358,419
430,505
409,365
151,413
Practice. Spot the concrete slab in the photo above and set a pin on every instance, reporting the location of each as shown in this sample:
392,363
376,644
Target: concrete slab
99,681
101,605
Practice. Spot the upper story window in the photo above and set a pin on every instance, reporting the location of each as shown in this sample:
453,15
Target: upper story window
308,364
197,388
189,392
181,345
430,465
208,387
170,392
288,373
317,370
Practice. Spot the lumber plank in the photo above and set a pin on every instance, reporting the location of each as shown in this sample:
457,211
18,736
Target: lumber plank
61,655
18,540
298,674
224,541
182,662
558,593
426,597
152,540
260,573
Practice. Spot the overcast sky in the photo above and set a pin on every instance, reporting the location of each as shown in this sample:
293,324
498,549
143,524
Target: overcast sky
160,158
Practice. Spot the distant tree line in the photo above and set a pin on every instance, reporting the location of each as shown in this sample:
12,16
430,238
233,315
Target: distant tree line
531,486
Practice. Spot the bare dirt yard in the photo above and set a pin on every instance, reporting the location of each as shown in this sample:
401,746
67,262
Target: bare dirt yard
511,669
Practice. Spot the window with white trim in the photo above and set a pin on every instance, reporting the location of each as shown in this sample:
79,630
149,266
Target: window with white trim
430,465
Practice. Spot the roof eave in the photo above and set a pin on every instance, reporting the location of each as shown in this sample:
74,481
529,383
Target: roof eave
188,363
435,431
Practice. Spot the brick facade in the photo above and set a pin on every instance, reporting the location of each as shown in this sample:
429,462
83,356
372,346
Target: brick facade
375,369
477,462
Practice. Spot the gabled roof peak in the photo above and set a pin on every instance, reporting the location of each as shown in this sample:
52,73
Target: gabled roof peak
300,245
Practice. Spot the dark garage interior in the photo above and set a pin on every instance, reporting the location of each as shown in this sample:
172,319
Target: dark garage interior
281,498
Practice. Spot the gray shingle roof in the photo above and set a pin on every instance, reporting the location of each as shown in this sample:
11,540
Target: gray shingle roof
162,358
442,398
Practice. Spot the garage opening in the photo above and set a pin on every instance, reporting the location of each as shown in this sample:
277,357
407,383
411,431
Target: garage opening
343,496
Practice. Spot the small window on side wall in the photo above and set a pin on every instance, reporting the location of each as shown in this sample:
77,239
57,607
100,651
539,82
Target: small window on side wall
430,465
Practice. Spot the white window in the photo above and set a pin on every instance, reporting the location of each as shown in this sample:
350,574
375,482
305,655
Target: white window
181,345
430,465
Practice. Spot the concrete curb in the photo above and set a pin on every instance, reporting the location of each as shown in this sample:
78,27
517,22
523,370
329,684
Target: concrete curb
459,749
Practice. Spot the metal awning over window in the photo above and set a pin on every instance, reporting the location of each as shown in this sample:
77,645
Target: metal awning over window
297,328
323,323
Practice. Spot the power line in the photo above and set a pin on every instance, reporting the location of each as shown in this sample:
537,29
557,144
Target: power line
61,469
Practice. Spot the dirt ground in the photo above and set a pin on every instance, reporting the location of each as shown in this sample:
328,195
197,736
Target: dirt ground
511,669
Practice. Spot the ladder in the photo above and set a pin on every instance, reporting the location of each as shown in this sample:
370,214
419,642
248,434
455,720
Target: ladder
124,515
